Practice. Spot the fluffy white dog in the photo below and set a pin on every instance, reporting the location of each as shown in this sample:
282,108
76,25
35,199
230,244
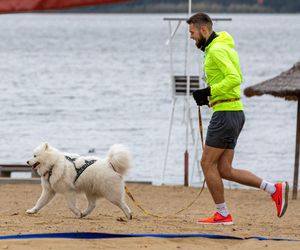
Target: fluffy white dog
69,174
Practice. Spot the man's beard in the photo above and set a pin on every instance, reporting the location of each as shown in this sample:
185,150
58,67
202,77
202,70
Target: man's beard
200,43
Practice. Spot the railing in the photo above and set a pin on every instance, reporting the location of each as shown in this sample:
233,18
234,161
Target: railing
7,169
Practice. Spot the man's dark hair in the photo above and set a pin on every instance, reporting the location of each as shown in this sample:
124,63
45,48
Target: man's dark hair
200,19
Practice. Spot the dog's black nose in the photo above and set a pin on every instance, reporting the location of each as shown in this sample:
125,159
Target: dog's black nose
27,162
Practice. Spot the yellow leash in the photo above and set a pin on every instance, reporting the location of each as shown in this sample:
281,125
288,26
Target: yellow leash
201,133
145,211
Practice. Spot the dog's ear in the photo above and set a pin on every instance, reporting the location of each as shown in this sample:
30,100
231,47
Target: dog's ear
46,146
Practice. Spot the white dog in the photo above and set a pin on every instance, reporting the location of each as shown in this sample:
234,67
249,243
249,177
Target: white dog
69,174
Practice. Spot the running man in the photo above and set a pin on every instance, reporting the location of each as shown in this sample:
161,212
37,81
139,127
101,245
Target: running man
224,78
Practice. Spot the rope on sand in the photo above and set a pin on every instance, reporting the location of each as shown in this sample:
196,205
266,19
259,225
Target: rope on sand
88,235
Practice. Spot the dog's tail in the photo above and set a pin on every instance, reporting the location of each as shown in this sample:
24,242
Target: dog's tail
120,157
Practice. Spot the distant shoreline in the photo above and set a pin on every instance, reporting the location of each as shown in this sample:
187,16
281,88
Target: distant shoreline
177,8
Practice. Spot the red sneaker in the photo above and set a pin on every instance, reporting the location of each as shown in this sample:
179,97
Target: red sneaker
280,197
217,219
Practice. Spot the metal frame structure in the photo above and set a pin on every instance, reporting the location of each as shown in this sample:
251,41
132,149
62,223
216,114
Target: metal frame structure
188,80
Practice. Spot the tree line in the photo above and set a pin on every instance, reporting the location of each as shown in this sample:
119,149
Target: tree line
216,6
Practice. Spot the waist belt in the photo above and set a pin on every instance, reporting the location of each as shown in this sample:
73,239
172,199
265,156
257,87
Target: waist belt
222,101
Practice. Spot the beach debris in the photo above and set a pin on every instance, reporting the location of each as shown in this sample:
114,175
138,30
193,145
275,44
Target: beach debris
91,150
121,219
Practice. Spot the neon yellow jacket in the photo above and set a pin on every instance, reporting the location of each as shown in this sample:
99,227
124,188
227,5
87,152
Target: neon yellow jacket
223,74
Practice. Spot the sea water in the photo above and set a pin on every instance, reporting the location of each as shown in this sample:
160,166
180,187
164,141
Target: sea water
83,82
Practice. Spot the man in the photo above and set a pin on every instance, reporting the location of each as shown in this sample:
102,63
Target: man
224,77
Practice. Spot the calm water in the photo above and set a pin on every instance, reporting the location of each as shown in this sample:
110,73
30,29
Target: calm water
84,82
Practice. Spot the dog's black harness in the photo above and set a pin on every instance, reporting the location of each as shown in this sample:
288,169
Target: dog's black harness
80,170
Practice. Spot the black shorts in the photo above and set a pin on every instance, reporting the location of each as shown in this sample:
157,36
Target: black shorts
224,129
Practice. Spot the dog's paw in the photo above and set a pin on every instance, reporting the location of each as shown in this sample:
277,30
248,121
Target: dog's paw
31,211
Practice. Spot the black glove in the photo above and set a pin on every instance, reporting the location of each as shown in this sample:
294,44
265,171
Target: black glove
201,96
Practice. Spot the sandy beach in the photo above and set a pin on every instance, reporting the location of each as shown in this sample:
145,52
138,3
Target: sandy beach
252,210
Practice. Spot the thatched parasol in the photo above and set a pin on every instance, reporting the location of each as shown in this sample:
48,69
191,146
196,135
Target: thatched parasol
285,85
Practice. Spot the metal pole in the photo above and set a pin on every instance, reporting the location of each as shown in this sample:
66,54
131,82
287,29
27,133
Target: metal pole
171,57
195,159
186,153
174,32
186,168
168,140
173,102
296,168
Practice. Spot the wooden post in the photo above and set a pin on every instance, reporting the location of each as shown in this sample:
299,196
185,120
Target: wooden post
296,168
186,168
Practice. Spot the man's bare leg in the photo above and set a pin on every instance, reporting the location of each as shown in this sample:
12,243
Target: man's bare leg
278,191
237,175
216,164
209,164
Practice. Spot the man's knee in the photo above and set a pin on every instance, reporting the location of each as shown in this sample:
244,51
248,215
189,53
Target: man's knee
225,172
206,164
210,158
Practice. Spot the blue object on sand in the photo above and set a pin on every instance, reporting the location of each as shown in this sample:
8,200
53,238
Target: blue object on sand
89,235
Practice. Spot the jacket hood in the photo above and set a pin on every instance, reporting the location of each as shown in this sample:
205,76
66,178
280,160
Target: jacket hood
222,37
